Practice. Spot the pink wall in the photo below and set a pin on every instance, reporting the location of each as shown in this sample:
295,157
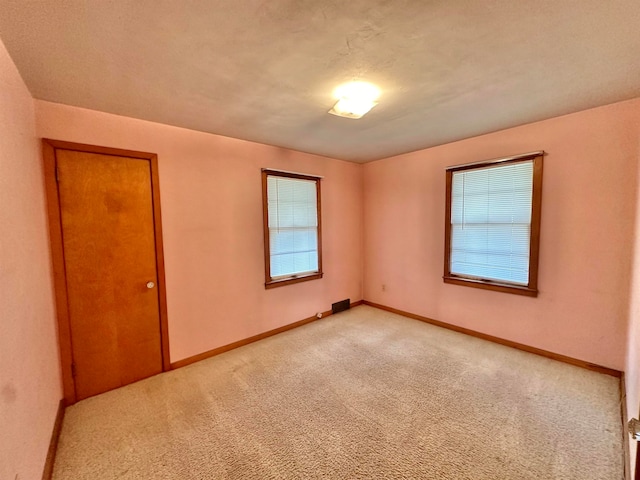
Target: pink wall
30,386
632,370
211,199
586,235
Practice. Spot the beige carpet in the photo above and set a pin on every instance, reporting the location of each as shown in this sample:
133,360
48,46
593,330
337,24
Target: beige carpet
362,394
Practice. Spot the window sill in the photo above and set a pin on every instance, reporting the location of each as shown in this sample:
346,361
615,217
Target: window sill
495,286
290,280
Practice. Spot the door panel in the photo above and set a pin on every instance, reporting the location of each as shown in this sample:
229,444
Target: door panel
106,210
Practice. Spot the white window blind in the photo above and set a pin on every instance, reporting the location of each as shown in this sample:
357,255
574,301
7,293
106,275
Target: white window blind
293,226
491,222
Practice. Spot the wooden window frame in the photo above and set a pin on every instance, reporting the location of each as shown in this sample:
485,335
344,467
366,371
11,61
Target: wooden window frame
531,289
282,281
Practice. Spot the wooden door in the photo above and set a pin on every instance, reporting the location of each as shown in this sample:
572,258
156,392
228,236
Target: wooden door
107,221
636,475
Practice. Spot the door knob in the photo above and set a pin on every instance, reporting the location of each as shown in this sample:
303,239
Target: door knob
634,429
150,284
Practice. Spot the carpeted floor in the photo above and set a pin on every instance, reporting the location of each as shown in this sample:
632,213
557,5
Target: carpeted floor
362,394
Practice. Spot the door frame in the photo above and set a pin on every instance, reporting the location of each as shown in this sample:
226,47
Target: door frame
49,148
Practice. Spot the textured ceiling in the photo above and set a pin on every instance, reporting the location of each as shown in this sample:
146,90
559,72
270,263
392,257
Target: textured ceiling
265,70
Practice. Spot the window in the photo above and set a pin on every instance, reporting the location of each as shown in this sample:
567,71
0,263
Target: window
292,228
492,229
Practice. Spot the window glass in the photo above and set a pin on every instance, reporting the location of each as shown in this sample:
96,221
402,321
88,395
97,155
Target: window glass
493,210
292,226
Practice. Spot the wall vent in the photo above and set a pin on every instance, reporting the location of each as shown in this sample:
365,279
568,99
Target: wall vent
341,306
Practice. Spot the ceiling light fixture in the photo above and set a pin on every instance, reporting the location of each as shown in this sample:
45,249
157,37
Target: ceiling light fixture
355,99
